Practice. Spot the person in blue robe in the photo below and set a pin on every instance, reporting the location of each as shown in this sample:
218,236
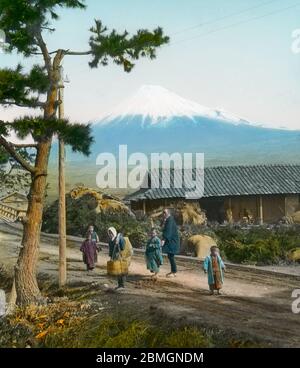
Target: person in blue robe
214,268
153,254
170,240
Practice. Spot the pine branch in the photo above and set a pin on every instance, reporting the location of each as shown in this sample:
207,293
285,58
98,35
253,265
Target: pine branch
48,28
122,48
40,53
25,145
45,53
78,53
10,149
66,52
29,104
58,58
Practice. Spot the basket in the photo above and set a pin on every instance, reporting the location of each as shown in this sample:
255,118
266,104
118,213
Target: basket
117,268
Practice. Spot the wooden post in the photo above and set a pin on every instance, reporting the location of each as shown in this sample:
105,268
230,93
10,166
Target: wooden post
144,207
261,211
62,278
229,213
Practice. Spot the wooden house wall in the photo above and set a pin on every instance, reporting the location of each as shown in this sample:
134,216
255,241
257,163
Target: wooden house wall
274,207
292,204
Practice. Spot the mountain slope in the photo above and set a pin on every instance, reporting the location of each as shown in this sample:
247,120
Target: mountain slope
156,120
217,140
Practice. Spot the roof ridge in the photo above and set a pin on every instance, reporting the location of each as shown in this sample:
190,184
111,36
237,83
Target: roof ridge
230,166
253,165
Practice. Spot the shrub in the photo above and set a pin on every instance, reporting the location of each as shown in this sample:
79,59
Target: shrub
257,245
81,213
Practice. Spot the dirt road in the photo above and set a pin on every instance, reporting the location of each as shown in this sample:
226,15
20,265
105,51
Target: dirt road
255,305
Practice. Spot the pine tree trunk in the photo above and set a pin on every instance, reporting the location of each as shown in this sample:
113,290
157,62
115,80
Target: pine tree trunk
12,299
25,274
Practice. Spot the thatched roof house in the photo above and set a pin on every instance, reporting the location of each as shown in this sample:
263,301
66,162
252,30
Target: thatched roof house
264,193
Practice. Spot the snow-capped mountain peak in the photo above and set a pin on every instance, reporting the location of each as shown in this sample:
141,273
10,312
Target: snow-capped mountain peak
157,103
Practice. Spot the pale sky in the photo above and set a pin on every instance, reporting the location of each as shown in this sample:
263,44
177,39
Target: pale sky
239,60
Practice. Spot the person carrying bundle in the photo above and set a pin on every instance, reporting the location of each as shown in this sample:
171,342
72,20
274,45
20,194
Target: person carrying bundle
120,252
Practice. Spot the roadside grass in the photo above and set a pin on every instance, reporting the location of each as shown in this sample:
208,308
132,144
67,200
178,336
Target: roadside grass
77,317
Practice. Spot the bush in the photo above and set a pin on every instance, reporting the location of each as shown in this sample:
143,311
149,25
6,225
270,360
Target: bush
257,245
81,213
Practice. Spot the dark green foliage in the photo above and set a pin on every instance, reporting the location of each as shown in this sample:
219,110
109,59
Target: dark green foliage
81,213
21,18
258,245
78,136
188,230
121,48
4,156
3,129
19,88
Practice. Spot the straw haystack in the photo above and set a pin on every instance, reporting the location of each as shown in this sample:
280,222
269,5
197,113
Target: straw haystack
184,213
295,255
105,202
296,217
292,219
200,245
191,214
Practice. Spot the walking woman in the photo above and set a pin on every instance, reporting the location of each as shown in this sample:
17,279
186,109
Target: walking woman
89,252
153,254
116,246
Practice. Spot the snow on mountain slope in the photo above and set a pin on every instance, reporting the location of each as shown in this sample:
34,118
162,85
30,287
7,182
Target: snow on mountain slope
155,103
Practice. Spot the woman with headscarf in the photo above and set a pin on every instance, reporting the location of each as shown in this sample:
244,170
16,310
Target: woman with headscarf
116,246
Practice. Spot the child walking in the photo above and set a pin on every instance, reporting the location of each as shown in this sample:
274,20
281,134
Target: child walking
214,267
153,253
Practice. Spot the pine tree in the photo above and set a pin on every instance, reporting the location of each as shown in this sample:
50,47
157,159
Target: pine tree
25,23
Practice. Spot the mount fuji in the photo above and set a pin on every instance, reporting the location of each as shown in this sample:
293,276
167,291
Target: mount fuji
157,120
155,105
